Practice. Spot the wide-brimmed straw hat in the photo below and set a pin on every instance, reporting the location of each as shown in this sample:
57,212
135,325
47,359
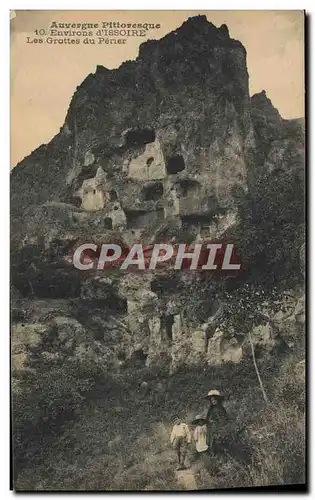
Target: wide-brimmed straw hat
199,419
214,393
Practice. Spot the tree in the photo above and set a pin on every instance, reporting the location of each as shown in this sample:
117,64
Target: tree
271,227
245,308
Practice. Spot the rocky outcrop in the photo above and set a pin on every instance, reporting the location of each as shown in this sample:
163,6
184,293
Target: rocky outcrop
156,150
158,124
279,142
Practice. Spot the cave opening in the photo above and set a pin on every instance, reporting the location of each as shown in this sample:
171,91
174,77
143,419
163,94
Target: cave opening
138,357
139,136
162,284
121,355
108,223
86,173
72,196
134,218
175,164
152,191
186,187
167,322
75,200
113,195
205,231
137,219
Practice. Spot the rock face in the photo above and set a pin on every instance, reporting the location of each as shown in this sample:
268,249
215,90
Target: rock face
179,116
279,142
158,148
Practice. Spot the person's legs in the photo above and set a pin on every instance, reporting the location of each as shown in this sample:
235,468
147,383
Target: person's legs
183,454
177,447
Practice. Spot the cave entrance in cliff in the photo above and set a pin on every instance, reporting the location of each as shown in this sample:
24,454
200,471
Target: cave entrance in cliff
167,324
139,136
74,199
153,191
138,357
205,231
187,187
108,223
175,164
87,172
113,195
141,219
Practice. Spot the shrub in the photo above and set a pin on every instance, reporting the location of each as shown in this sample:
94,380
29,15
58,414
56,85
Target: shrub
43,402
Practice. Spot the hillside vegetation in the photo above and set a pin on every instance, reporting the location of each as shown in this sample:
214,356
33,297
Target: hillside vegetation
119,440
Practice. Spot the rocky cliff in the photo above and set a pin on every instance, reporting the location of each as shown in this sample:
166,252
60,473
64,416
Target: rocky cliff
164,147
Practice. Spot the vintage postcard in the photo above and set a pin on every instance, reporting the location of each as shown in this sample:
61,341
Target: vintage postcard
157,250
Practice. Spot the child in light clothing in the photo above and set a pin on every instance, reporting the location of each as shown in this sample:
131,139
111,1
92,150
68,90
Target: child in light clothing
180,439
200,433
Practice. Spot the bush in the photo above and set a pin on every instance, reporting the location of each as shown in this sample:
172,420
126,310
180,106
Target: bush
280,453
276,438
43,402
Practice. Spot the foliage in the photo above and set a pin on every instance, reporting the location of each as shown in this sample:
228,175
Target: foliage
271,228
36,271
43,403
245,307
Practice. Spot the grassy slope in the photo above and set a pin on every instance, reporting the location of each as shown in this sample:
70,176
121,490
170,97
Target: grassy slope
120,441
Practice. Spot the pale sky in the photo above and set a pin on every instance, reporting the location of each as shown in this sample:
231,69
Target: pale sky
44,77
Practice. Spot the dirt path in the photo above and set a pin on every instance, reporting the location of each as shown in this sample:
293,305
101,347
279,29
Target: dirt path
186,479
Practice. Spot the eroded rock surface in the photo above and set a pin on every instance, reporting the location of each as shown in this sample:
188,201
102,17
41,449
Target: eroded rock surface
158,149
